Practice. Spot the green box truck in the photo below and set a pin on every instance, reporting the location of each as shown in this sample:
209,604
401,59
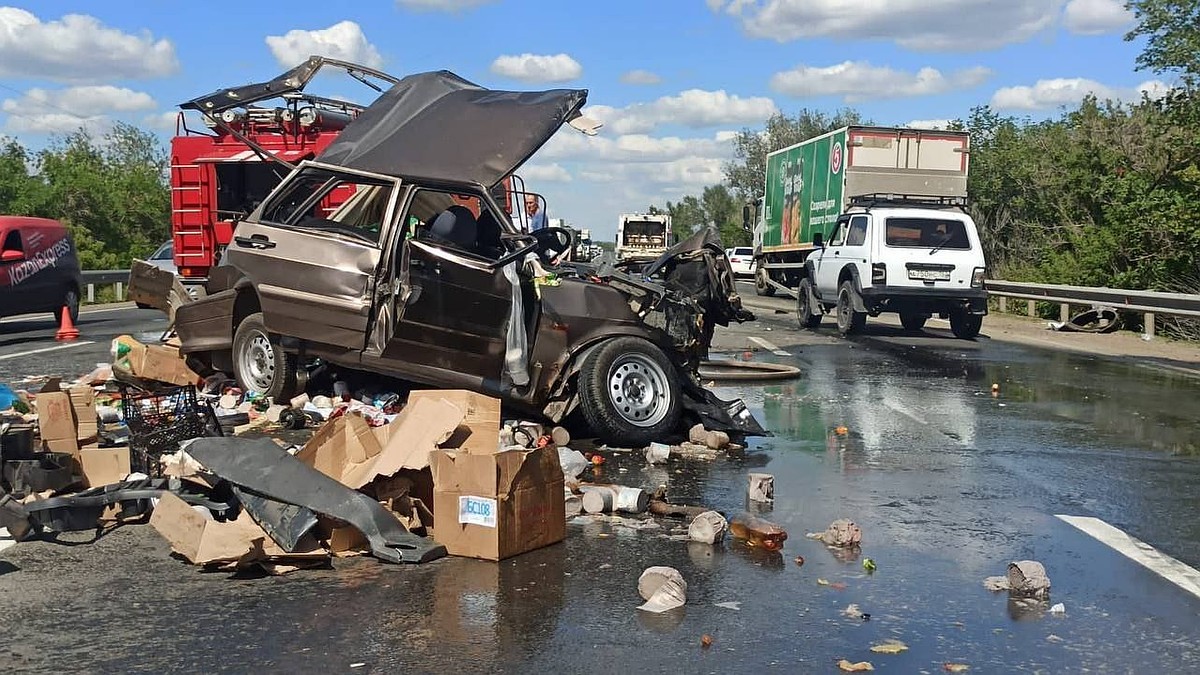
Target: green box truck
878,196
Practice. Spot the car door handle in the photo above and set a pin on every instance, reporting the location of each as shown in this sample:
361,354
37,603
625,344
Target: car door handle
257,241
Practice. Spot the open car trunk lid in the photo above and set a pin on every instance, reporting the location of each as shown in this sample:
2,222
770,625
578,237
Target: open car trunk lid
438,126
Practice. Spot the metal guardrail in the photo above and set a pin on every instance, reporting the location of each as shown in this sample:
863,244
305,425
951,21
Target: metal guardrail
93,278
1150,303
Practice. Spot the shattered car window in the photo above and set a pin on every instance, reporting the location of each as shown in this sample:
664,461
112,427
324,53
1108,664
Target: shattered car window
310,201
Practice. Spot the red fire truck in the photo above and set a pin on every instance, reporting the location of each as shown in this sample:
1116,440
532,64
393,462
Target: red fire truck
220,173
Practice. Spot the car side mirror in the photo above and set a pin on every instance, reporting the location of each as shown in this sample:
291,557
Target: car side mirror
746,217
818,240
12,256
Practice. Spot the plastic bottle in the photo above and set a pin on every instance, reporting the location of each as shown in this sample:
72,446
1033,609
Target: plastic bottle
757,532
7,397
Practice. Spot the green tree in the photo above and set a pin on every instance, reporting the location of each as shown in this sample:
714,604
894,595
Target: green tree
1172,29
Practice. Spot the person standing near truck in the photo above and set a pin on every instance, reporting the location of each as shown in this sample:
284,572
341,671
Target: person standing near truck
537,215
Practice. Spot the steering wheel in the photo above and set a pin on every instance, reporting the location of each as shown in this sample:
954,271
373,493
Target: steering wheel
554,243
521,252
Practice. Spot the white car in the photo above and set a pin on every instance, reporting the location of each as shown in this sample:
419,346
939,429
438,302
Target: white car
741,261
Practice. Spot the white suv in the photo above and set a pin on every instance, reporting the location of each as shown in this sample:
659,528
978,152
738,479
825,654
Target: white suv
916,262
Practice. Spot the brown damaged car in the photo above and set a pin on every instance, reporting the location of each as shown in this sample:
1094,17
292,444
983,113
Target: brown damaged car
419,275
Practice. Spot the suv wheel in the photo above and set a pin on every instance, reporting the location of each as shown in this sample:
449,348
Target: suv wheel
965,326
849,321
629,393
809,316
259,363
761,287
913,321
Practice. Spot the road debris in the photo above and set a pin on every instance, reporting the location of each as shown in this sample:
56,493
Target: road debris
1028,578
762,487
799,561
889,647
955,667
757,532
861,666
708,527
869,565
1059,608
842,533
663,589
736,606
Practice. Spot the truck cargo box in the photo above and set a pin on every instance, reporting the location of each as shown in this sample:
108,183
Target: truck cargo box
809,184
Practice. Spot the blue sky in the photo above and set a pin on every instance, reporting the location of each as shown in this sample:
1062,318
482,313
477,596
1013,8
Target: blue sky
671,79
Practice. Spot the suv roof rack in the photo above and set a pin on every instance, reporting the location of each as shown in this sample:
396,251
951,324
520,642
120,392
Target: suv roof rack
892,199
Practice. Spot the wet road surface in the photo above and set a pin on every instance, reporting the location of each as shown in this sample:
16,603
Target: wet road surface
948,483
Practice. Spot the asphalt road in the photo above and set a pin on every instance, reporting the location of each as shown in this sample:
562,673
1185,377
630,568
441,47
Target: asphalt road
948,482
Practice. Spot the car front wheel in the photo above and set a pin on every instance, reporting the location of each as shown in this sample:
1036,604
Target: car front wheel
629,393
810,317
71,302
260,364
849,321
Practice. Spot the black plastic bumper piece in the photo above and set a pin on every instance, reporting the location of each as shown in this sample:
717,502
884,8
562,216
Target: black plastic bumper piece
263,468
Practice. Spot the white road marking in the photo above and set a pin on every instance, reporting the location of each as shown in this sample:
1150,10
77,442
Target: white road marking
55,348
1140,552
767,345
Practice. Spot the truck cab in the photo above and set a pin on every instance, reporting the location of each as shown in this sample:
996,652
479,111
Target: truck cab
889,255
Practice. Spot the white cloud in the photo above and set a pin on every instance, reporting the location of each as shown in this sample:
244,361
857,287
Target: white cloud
694,108
553,173
640,77
78,48
635,148
538,68
441,5
1058,92
922,25
344,40
1095,17
928,124
163,121
857,81
65,110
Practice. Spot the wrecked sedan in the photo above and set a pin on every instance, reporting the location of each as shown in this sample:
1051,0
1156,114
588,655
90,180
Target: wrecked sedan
420,275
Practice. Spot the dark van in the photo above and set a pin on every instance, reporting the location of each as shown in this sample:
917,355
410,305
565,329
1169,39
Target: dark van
39,269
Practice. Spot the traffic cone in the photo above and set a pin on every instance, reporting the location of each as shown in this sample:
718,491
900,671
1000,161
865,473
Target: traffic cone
66,329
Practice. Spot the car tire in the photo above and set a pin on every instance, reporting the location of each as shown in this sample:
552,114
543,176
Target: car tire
71,302
629,393
761,287
259,364
804,310
849,321
965,326
913,321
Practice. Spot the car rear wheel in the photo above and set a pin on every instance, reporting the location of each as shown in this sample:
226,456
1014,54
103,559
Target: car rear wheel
912,321
260,364
965,326
849,321
629,393
810,317
761,287
71,302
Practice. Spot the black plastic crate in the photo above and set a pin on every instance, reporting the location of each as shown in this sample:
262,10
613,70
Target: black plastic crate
160,420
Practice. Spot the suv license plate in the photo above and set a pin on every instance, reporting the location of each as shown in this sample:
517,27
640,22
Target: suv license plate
929,275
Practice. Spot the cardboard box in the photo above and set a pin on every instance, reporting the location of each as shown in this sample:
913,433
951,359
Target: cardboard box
56,419
104,466
479,431
498,505
203,541
160,363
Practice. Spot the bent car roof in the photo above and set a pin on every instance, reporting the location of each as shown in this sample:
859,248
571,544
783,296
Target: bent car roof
439,126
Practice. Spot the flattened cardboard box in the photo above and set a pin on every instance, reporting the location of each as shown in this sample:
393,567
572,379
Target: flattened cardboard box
104,466
479,432
498,505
